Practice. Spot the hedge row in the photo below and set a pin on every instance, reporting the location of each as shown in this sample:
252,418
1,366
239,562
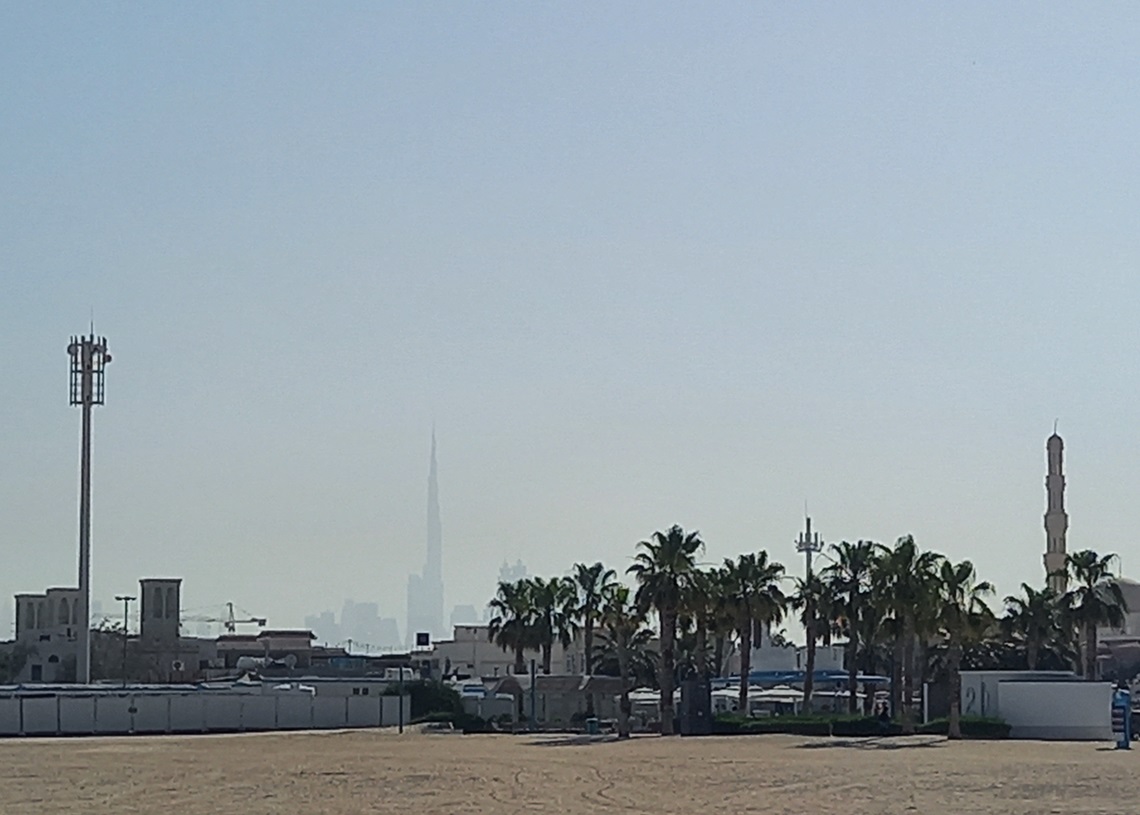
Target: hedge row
972,727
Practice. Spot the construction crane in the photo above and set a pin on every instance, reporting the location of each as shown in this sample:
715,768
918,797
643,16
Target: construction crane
230,621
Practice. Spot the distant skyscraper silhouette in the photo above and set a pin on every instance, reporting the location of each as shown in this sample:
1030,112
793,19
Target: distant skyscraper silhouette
425,590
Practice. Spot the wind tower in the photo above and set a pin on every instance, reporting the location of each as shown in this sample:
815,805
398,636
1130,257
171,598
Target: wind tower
1056,519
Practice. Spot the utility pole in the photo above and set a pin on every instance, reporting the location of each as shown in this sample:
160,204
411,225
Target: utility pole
809,543
126,601
88,358
401,698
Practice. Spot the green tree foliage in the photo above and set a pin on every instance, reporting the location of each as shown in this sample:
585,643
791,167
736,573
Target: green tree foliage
664,568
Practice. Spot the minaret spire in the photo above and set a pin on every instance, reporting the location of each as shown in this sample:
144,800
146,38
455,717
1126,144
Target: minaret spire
1056,518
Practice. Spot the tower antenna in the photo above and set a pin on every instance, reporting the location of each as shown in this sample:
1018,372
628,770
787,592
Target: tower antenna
89,357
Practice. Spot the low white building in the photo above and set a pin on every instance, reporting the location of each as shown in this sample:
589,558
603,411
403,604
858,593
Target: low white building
790,657
470,652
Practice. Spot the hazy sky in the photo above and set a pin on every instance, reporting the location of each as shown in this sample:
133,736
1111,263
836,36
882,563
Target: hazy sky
642,263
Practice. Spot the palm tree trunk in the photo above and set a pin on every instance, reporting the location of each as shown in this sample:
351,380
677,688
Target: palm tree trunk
520,660
547,649
1090,652
745,664
852,671
702,646
624,705
1031,649
896,676
668,668
809,666
588,661
954,666
718,654
908,678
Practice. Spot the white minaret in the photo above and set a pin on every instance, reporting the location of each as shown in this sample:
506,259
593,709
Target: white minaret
1056,519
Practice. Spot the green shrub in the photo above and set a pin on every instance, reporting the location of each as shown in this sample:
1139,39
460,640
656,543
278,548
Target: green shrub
466,722
864,726
429,697
731,723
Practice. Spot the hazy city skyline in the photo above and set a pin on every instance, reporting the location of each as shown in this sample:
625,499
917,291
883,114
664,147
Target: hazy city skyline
643,264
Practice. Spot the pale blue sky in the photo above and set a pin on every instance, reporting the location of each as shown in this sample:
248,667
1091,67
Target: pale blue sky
643,263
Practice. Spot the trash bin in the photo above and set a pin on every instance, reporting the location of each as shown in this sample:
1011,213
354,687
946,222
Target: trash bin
591,726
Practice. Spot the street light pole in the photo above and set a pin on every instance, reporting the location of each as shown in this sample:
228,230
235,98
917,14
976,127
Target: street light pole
126,601
88,358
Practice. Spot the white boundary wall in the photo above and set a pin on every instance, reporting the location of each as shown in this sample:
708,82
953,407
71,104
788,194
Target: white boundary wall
1067,711
1040,704
79,713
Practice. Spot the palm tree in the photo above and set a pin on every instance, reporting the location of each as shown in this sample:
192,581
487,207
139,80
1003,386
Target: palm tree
1095,601
592,583
850,579
511,626
722,623
1035,617
907,581
622,627
814,602
962,616
663,569
753,584
701,606
553,606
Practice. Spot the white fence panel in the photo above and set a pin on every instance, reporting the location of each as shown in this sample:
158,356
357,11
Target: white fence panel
41,715
113,714
258,713
329,712
187,713
9,716
152,713
391,715
294,712
77,715
223,712
363,711
139,711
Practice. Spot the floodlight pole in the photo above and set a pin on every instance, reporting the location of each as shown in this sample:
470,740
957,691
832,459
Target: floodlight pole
88,358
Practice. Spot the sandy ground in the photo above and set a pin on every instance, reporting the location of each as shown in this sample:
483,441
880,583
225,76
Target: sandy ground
422,774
